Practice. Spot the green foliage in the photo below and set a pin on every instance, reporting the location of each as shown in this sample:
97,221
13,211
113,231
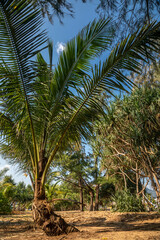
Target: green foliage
73,165
107,190
8,179
3,172
60,8
18,195
65,205
129,14
127,202
23,194
130,138
52,191
5,205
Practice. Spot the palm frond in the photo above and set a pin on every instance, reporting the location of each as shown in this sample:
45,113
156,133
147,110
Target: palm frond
75,61
20,39
125,56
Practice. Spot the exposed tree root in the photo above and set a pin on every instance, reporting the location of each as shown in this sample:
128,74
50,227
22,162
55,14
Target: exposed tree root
50,222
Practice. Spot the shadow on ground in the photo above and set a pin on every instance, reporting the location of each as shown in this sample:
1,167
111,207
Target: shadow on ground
14,226
124,222
88,223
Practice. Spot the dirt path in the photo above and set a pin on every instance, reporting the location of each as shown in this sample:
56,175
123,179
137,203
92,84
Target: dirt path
100,225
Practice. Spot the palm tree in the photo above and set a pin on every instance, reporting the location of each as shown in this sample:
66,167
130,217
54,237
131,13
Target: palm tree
43,110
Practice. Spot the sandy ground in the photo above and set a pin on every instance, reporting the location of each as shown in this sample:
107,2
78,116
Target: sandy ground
102,225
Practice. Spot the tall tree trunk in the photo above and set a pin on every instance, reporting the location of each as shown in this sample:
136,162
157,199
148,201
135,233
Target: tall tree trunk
96,207
137,181
155,185
91,193
43,213
124,178
154,179
143,192
81,195
14,206
157,188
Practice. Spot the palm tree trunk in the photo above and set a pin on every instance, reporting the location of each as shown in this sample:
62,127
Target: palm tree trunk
43,213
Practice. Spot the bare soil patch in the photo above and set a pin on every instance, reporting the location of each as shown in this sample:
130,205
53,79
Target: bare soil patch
102,225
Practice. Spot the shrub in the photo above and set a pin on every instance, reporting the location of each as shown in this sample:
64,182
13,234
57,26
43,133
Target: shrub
65,206
5,206
127,202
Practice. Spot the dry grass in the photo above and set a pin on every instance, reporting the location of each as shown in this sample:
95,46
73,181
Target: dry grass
102,225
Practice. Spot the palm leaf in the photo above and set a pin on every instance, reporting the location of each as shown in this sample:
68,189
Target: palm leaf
125,56
20,39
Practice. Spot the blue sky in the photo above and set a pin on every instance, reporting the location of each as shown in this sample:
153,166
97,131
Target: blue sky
60,34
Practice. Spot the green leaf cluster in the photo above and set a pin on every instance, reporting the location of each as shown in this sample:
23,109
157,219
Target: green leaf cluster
127,202
5,206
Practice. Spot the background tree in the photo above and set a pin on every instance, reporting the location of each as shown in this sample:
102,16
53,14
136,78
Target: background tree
75,168
3,172
5,205
23,196
8,187
131,137
17,196
97,170
129,14
50,8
